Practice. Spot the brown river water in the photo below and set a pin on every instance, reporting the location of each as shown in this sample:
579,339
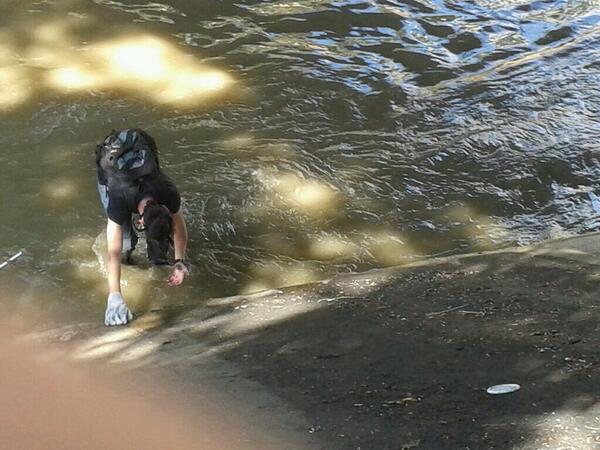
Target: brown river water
307,138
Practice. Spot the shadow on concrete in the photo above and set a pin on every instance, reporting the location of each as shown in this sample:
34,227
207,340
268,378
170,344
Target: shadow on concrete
407,364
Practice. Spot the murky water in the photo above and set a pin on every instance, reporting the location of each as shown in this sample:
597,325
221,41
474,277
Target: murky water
307,138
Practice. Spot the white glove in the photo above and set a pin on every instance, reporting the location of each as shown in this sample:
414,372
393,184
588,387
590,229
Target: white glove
117,312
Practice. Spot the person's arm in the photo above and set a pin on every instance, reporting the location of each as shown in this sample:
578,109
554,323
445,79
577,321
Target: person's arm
117,312
114,241
180,238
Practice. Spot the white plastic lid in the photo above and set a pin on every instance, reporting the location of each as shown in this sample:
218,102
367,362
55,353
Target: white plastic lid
503,389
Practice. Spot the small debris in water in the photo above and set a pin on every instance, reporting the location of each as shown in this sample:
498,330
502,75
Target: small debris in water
327,356
404,401
503,389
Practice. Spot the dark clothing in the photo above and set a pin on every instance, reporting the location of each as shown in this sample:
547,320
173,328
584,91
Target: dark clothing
128,172
122,203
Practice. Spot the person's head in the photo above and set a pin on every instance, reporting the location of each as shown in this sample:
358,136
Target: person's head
158,225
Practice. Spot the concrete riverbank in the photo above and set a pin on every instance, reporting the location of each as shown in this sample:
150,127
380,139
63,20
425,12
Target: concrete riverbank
392,358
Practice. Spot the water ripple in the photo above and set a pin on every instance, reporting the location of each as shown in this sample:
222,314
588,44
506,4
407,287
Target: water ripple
358,134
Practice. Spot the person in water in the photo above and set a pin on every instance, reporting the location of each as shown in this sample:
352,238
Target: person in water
131,183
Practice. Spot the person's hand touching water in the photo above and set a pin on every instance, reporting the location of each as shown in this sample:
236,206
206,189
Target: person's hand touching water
117,312
180,271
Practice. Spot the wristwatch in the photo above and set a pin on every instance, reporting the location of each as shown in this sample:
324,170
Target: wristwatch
181,262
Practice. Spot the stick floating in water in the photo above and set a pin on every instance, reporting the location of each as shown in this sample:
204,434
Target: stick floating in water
11,259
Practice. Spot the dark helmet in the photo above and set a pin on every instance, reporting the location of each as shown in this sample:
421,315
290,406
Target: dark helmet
158,225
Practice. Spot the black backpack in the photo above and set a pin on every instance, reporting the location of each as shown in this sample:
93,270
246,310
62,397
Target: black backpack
126,156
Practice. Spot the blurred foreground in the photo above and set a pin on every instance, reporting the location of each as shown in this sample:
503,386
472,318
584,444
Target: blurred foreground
47,402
